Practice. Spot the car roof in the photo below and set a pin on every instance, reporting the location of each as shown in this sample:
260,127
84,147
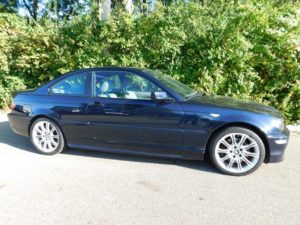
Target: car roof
133,69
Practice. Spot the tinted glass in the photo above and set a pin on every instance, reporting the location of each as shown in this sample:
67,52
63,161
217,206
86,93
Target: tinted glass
72,85
179,88
125,85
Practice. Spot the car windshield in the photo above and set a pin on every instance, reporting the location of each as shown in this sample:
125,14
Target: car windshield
179,88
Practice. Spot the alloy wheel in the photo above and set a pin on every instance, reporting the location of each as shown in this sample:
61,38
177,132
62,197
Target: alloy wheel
45,136
237,153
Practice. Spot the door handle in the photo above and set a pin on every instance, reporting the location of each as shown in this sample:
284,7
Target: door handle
117,113
95,104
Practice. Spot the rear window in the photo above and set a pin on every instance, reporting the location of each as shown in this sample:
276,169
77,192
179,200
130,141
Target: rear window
73,85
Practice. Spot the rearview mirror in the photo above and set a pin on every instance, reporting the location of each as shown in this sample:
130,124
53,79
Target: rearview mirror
161,96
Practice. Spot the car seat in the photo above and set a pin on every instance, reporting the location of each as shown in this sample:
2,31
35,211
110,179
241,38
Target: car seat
104,91
128,94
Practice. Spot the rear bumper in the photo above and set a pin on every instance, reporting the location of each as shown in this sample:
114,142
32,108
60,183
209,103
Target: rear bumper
277,145
19,123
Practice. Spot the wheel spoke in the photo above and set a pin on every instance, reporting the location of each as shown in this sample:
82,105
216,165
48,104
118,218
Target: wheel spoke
54,136
224,142
233,139
52,130
220,150
53,141
253,144
39,128
52,145
252,154
225,158
249,163
41,141
239,163
244,137
230,163
47,145
48,127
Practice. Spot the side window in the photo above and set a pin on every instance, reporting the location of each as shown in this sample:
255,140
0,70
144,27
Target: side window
72,85
123,85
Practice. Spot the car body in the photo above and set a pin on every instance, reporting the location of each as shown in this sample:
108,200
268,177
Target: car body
100,115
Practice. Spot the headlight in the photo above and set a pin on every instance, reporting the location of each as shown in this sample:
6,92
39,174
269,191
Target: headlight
278,123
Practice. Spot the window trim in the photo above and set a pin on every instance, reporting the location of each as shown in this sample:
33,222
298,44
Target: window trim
93,79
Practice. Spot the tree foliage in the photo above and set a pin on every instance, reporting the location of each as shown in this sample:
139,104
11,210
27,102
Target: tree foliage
245,49
8,6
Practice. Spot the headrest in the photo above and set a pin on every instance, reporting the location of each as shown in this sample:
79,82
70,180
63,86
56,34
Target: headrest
104,87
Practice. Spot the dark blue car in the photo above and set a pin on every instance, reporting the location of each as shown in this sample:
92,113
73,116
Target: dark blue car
140,111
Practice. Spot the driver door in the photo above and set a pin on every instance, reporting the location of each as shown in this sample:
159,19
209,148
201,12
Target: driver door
123,116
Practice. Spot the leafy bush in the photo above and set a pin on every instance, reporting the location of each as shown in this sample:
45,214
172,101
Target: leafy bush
246,49
9,84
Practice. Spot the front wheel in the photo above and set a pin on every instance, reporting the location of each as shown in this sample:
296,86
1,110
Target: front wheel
237,151
47,137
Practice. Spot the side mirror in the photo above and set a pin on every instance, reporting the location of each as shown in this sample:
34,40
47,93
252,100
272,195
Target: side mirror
160,96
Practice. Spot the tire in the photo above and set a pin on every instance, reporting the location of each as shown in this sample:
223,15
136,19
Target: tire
237,151
46,136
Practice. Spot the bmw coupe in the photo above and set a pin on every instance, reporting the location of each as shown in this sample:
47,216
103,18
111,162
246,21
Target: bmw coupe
141,111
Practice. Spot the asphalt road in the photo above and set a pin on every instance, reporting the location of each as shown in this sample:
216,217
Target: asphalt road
85,187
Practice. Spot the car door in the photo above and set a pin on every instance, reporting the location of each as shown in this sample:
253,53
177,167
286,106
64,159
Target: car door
68,99
123,116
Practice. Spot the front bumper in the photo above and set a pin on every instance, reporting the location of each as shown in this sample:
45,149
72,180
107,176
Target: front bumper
19,123
277,145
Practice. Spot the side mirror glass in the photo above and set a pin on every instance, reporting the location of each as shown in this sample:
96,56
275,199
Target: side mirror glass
161,96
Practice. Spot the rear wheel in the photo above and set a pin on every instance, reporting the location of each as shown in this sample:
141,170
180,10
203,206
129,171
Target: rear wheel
46,137
237,151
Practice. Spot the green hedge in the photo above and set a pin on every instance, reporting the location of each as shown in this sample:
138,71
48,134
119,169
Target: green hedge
249,50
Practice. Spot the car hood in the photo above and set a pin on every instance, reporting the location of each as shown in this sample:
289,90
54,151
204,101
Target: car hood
233,103
27,91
